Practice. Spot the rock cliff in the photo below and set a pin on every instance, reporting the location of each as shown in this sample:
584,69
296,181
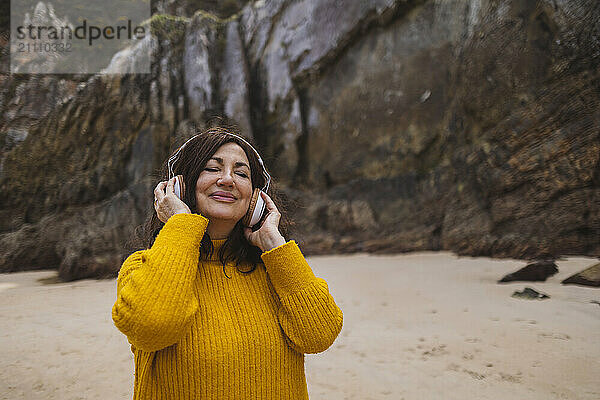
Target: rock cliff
393,125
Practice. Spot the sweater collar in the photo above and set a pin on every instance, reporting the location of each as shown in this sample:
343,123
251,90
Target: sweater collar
217,244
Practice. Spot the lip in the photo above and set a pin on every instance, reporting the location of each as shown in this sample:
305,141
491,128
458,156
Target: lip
223,196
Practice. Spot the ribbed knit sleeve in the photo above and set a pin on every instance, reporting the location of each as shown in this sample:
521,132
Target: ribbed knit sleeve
155,294
308,314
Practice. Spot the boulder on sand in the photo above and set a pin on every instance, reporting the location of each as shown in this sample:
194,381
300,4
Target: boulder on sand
530,294
588,277
537,271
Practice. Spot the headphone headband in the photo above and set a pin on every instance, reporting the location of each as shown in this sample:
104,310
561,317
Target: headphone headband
175,157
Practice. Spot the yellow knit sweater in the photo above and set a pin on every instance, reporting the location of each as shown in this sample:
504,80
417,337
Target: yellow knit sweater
196,334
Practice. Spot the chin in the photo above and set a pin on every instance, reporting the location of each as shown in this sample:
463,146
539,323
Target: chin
223,214
225,217
222,211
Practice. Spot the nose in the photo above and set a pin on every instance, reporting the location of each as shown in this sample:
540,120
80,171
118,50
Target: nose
226,179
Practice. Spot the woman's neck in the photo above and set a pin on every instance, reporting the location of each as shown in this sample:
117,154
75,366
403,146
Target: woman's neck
218,230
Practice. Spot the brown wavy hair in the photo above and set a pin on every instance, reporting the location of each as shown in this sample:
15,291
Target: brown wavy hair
192,160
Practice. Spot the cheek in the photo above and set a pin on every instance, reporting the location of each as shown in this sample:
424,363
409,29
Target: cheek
202,183
201,186
248,190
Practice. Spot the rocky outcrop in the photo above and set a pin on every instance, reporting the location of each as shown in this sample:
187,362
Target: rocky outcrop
588,277
391,125
76,184
537,271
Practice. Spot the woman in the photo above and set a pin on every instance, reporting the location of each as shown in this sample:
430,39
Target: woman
212,308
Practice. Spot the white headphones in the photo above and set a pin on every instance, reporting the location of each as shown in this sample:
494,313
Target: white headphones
257,204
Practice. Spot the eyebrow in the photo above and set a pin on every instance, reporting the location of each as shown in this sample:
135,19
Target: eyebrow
237,164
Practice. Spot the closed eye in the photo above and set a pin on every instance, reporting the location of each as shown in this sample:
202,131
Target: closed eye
238,173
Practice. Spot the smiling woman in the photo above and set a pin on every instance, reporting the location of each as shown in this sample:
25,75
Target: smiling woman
214,163
196,331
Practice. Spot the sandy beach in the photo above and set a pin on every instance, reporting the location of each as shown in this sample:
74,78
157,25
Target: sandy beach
416,326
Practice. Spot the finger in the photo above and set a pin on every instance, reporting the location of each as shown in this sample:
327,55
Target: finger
268,202
160,186
170,189
271,211
159,190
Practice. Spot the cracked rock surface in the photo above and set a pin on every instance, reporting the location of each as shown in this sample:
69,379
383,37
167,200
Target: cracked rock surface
462,125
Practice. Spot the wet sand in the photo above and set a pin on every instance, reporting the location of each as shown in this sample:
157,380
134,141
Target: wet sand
416,326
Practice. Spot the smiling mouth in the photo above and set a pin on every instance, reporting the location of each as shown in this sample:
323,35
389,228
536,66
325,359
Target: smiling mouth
222,197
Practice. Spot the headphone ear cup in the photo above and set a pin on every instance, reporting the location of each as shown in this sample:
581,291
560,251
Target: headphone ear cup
259,210
179,186
254,200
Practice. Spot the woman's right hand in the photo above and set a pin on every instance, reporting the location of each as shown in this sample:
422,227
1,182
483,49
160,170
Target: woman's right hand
166,202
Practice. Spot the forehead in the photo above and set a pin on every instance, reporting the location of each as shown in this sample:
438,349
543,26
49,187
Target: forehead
231,151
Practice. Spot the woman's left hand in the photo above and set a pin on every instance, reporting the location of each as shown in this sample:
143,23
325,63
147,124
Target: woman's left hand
267,237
